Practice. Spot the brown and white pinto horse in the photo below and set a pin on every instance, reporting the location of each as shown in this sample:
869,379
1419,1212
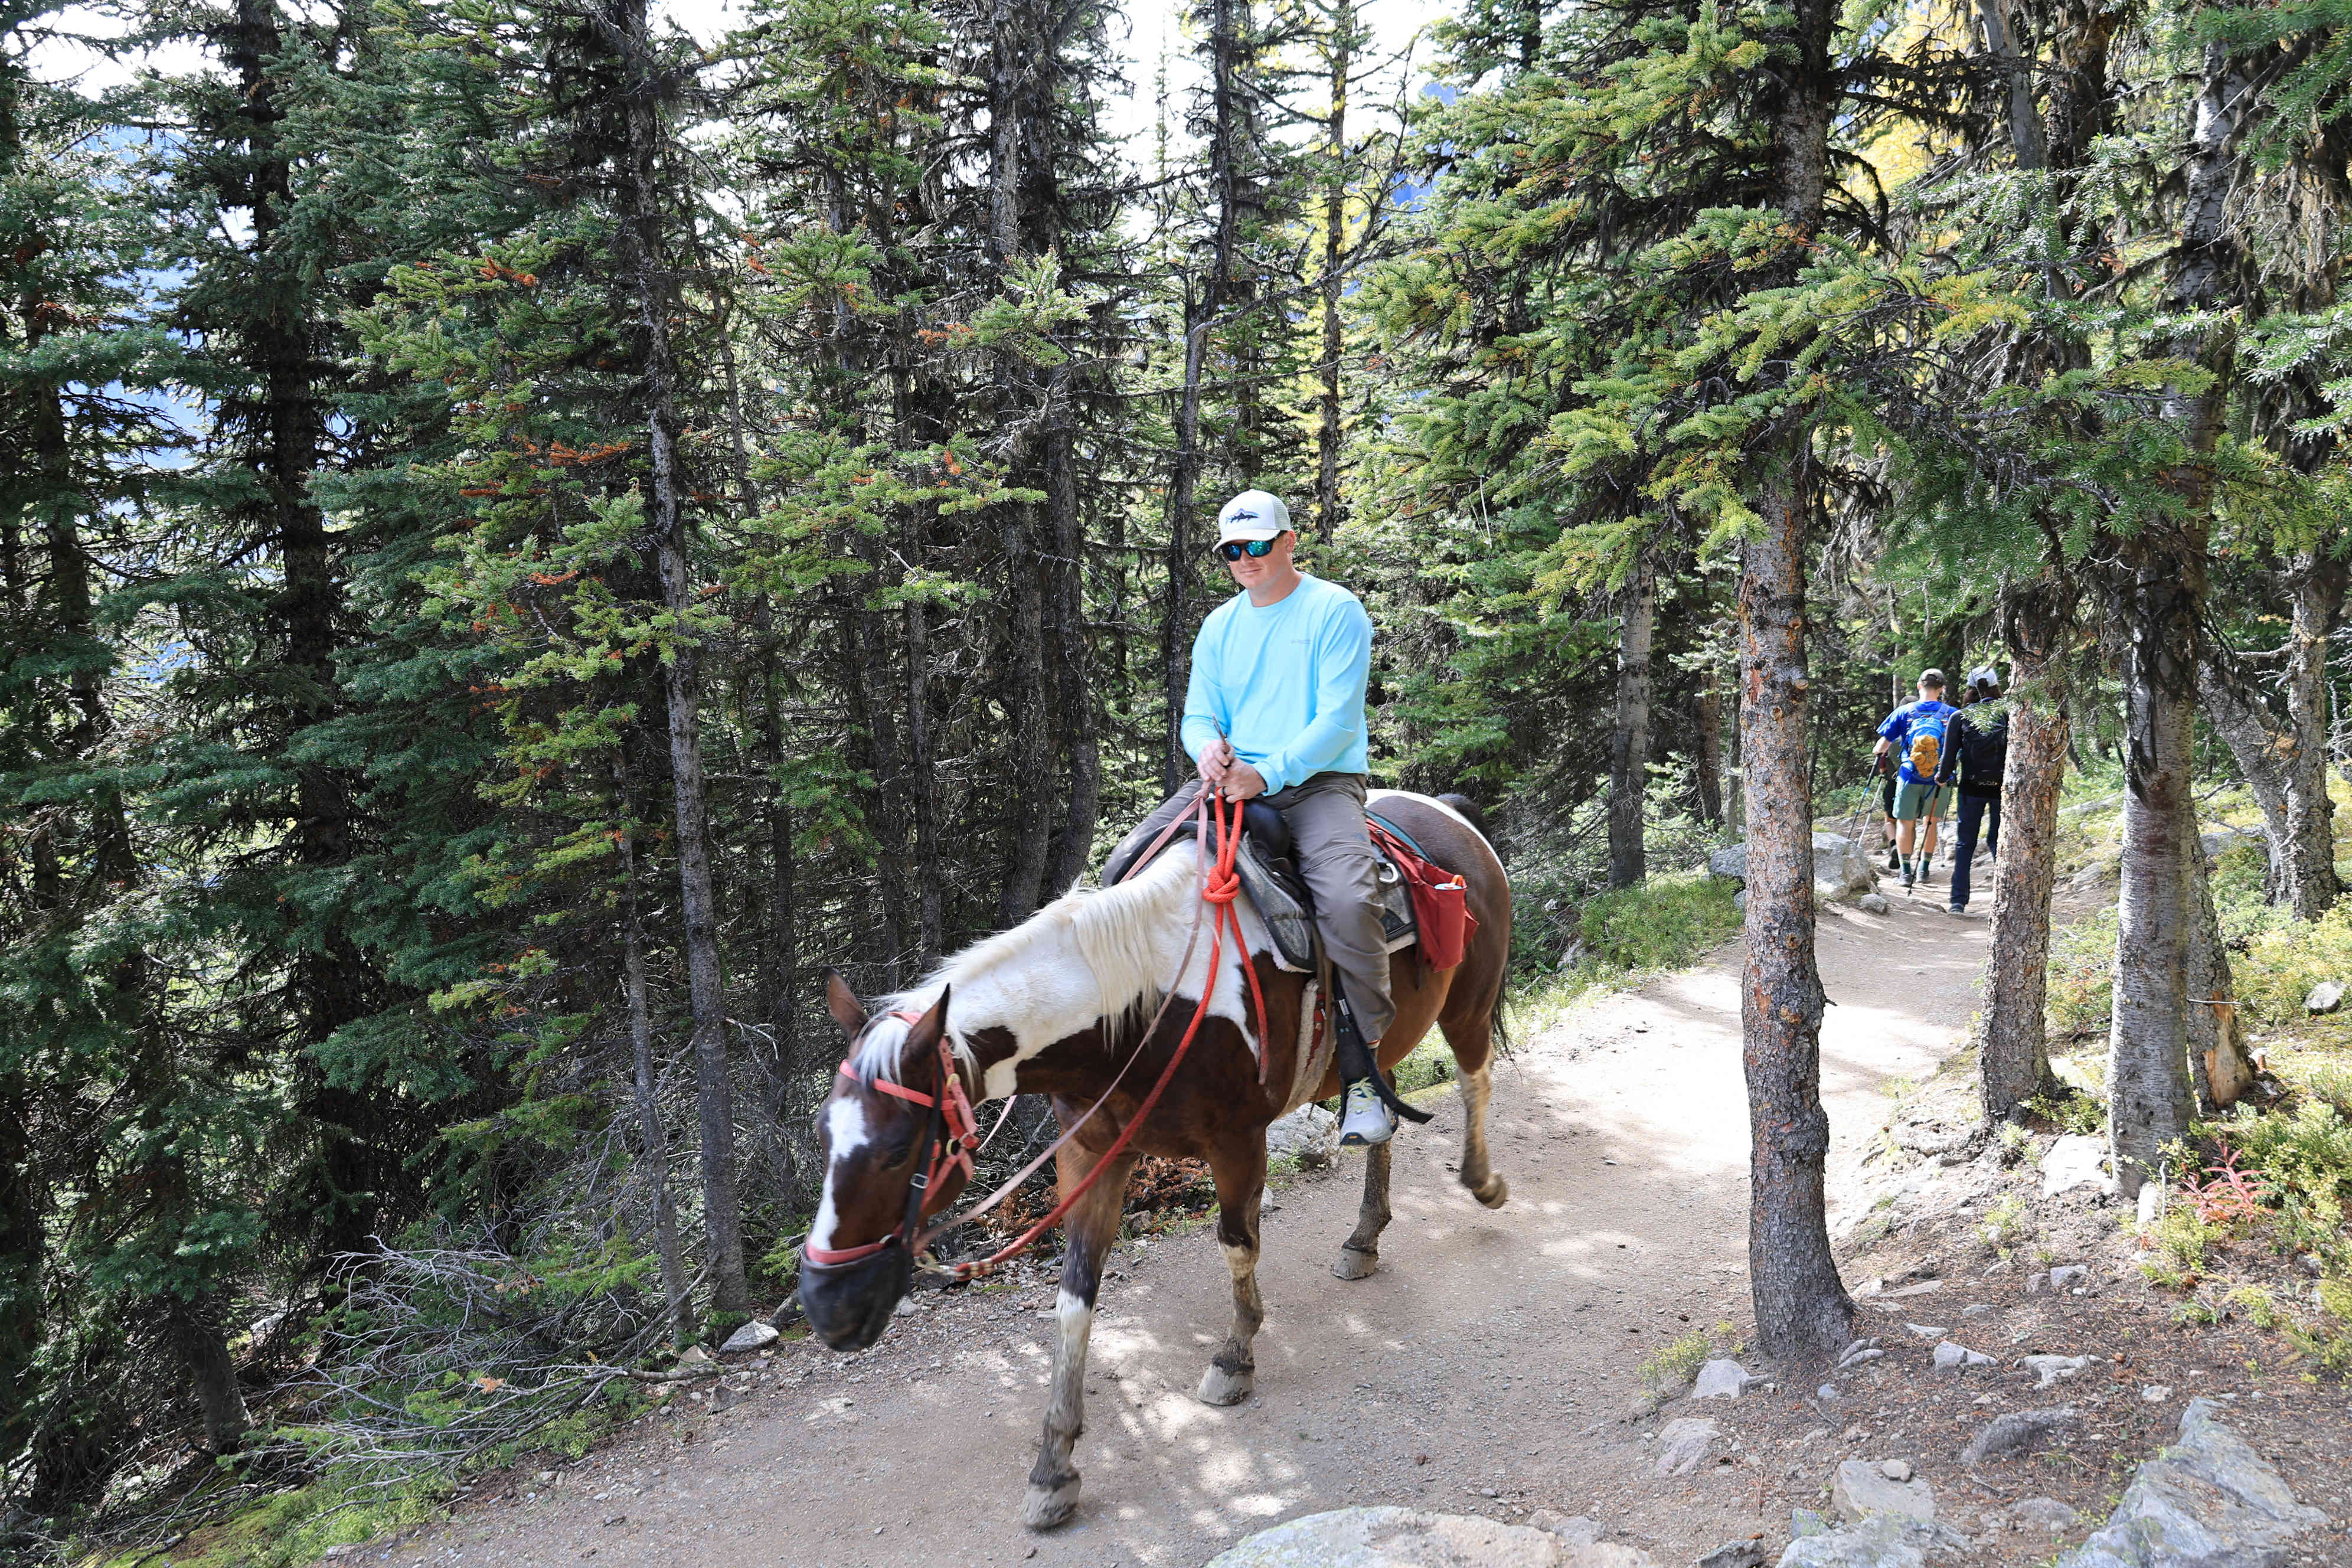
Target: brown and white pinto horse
1056,1006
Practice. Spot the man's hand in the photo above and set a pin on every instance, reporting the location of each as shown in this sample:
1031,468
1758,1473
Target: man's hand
1215,758
1243,781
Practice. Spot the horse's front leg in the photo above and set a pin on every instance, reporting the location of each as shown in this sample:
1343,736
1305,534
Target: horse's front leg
1089,1231
1240,1171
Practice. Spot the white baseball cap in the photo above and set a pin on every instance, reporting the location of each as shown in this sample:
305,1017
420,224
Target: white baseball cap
1252,515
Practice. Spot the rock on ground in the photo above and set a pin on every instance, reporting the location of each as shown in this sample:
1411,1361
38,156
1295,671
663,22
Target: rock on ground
2325,997
1748,1553
1722,1378
2207,1501
1862,1489
2076,1159
751,1336
1874,904
1881,1540
1412,1538
2022,1432
2049,1369
2046,1514
1310,1134
1577,1529
1840,869
1683,1444
1952,1355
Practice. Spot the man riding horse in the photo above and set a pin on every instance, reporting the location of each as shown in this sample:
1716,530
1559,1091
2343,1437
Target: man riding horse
1276,710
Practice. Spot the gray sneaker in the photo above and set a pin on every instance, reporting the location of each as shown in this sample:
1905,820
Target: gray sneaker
1364,1121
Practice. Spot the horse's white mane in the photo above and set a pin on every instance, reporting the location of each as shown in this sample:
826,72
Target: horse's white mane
1119,932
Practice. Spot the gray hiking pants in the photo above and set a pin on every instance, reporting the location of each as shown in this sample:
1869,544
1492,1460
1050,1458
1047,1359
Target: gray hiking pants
1326,813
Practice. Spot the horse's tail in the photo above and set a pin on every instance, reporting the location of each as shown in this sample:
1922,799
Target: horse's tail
1469,811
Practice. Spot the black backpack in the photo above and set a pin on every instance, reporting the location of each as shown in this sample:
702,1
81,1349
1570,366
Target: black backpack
1984,752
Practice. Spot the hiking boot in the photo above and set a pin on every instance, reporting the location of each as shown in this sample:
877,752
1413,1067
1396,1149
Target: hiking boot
1894,858
1958,909
1908,878
1364,1121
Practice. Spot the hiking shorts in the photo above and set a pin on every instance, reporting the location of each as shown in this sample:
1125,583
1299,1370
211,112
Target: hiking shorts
1914,801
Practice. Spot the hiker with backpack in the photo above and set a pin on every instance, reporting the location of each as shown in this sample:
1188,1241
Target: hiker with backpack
1919,735
1975,760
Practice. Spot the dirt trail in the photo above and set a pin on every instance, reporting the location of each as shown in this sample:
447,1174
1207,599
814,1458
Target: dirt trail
1485,1369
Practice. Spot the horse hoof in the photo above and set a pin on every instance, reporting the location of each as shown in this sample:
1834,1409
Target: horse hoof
1493,1192
1219,1386
1048,1506
1356,1264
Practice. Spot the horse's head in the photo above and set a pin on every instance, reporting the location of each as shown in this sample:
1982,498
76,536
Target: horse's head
890,1136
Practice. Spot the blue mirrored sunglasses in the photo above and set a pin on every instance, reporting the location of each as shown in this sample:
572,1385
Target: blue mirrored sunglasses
1234,549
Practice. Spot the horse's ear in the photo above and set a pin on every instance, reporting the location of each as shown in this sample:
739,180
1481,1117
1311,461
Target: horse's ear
843,1004
923,1036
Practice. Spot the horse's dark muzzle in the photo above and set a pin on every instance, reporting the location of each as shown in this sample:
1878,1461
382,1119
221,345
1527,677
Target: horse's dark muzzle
849,1306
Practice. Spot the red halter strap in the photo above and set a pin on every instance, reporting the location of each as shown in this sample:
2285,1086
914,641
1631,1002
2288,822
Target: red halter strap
961,1135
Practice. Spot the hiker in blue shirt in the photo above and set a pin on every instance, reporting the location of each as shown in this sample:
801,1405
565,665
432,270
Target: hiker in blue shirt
1918,735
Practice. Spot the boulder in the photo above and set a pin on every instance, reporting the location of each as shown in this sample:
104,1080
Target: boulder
2046,1514
2023,1432
1310,1134
1861,1489
2096,875
2075,1160
1874,904
1415,1538
1682,1443
2207,1501
1722,1378
1881,1540
1747,1553
2324,998
1953,1356
751,1336
1840,869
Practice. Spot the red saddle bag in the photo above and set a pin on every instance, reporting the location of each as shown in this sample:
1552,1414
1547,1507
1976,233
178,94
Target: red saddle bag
1441,908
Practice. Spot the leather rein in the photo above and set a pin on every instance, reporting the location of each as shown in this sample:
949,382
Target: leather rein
950,1131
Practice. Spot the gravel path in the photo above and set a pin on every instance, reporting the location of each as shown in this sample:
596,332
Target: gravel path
1486,1368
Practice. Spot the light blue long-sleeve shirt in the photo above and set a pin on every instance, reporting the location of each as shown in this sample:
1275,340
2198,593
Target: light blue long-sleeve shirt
1284,684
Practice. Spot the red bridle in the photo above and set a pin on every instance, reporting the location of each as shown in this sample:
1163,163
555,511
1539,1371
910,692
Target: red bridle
951,1116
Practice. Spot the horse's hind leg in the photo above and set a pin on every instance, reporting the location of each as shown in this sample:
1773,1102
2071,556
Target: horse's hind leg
1360,1254
1089,1231
1240,1173
1473,1043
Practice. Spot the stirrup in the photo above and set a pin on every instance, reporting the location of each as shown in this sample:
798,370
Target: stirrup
1364,1121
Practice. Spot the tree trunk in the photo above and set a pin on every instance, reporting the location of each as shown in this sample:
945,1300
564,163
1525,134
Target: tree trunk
641,1057
1803,1315
2237,715
1029,791
195,1336
2147,1079
2319,588
1803,1312
682,685
2148,1051
2217,1049
2014,1056
1074,708
1334,229
1709,717
1629,744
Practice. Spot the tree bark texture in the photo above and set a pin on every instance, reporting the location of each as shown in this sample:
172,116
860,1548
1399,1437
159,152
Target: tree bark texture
2148,1092
194,1328
2319,580
1334,279
2235,710
1709,720
2013,1062
2218,1064
1803,1313
1629,741
2147,1079
682,684
656,1141
1073,706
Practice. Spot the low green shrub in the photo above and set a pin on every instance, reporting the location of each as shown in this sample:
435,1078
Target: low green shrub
1665,923
2285,958
2082,977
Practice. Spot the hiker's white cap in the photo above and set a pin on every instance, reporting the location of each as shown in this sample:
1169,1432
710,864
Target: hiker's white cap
1252,515
1984,676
